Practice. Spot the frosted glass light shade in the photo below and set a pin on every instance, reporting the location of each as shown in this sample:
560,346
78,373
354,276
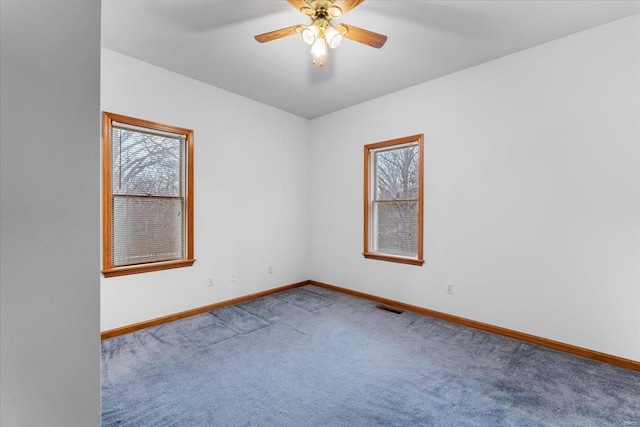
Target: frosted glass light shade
310,34
319,52
333,36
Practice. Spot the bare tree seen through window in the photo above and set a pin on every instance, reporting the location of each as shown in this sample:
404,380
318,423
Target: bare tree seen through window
395,206
147,191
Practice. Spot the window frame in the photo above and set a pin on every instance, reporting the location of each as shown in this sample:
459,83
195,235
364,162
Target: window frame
108,270
369,193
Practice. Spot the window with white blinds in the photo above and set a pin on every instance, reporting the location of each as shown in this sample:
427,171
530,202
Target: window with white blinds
148,200
393,200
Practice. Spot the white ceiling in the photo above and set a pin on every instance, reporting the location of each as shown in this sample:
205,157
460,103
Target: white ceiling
212,41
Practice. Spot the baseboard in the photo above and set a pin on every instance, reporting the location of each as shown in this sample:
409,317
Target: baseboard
544,342
177,316
556,345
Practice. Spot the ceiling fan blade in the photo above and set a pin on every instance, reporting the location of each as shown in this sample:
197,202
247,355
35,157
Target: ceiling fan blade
347,5
278,34
362,36
299,4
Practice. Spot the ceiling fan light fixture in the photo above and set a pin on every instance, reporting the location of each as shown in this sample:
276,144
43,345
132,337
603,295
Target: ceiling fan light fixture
310,34
319,52
333,36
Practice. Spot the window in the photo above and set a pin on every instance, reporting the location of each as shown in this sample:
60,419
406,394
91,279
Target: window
147,190
393,191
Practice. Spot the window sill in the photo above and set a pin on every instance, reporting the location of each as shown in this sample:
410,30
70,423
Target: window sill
393,258
144,268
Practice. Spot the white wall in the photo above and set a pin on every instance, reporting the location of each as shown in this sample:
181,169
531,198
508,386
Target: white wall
49,213
251,204
532,191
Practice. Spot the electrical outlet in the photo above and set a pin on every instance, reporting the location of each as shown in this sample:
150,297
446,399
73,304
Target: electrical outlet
210,281
449,288
270,269
232,276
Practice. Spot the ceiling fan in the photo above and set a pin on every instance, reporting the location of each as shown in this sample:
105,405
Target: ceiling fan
321,33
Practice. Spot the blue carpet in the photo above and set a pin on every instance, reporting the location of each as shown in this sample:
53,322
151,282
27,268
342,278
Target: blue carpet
313,357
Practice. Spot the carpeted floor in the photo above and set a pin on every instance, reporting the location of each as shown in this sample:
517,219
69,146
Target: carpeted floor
313,357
